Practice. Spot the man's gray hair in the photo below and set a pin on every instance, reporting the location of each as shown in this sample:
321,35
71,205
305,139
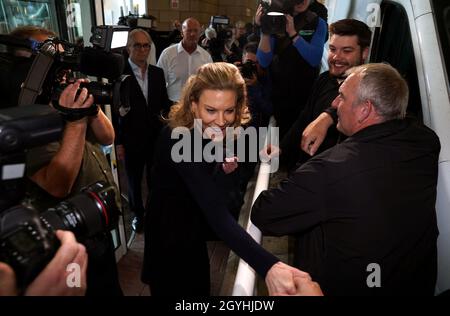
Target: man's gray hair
383,85
133,32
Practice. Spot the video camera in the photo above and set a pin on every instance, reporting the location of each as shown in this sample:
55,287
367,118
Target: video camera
57,63
222,26
134,21
273,21
27,238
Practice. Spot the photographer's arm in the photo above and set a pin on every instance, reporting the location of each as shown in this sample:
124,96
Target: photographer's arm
102,128
266,43
312,52
58,177
52,281
265,51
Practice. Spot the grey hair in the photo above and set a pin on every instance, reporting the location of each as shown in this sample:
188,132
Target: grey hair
383,85
135,31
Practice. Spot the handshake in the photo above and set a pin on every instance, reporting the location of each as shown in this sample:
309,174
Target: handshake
284,280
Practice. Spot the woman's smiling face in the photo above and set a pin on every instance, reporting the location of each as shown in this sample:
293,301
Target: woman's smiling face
216,109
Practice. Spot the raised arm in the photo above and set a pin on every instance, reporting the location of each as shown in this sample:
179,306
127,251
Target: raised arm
58,177
312,52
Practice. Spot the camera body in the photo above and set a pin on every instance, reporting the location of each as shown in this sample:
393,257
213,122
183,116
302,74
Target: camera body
27,237
273,21
57,63
248,69
222,26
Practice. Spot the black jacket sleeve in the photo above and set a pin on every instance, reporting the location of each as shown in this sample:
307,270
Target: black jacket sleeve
295,206
212,203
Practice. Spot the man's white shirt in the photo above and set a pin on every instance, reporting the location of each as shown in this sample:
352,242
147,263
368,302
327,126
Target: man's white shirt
142,81
179,65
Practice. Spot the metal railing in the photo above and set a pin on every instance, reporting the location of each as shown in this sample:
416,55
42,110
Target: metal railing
244,283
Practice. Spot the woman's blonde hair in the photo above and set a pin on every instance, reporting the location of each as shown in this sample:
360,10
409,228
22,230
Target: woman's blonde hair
214,76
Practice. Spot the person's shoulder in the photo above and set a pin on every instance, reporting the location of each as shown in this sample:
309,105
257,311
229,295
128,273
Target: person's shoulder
426,133
168,51
155,69
202,51
325,76
324,80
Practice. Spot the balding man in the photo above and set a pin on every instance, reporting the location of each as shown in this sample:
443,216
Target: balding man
139,125
182,60
365,209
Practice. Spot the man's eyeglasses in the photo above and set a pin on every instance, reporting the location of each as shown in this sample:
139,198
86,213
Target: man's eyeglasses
139,45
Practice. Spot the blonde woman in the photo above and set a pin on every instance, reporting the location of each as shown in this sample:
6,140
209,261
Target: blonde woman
186,199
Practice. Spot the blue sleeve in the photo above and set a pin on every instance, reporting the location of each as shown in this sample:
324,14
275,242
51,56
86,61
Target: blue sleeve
312,52
265,59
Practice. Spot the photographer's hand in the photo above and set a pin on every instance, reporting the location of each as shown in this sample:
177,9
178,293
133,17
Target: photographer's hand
258,15
290,27
69,98
53,280
58,177
7,281
100,124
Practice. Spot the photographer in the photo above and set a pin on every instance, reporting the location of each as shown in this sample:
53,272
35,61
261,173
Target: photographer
213,45
259,89
259,86
293,58
52,281
14,72
62,169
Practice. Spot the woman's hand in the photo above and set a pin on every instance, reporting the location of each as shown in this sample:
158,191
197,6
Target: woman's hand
230,165
280,279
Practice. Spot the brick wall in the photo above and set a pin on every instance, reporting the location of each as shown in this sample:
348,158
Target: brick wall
200,9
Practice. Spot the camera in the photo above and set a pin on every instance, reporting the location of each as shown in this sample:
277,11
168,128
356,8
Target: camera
57,63
27,238
222,26
273,21
248,69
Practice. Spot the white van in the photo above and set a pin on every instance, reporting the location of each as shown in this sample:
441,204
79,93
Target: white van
414,37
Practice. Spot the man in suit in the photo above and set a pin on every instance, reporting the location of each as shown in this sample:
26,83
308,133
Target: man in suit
139,124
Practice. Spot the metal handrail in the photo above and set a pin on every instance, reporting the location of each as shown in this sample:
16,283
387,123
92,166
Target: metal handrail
244,283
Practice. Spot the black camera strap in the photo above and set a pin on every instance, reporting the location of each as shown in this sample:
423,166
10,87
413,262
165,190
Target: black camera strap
32,86
72,115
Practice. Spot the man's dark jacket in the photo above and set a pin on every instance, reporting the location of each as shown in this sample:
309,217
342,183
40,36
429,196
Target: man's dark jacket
141,125
369,200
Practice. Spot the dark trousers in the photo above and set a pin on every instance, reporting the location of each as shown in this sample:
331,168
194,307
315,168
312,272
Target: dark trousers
102,274
135,163
186,273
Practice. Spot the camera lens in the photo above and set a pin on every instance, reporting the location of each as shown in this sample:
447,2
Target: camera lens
86,214
27,239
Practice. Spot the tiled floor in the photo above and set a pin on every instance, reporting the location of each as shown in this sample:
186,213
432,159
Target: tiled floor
130,268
